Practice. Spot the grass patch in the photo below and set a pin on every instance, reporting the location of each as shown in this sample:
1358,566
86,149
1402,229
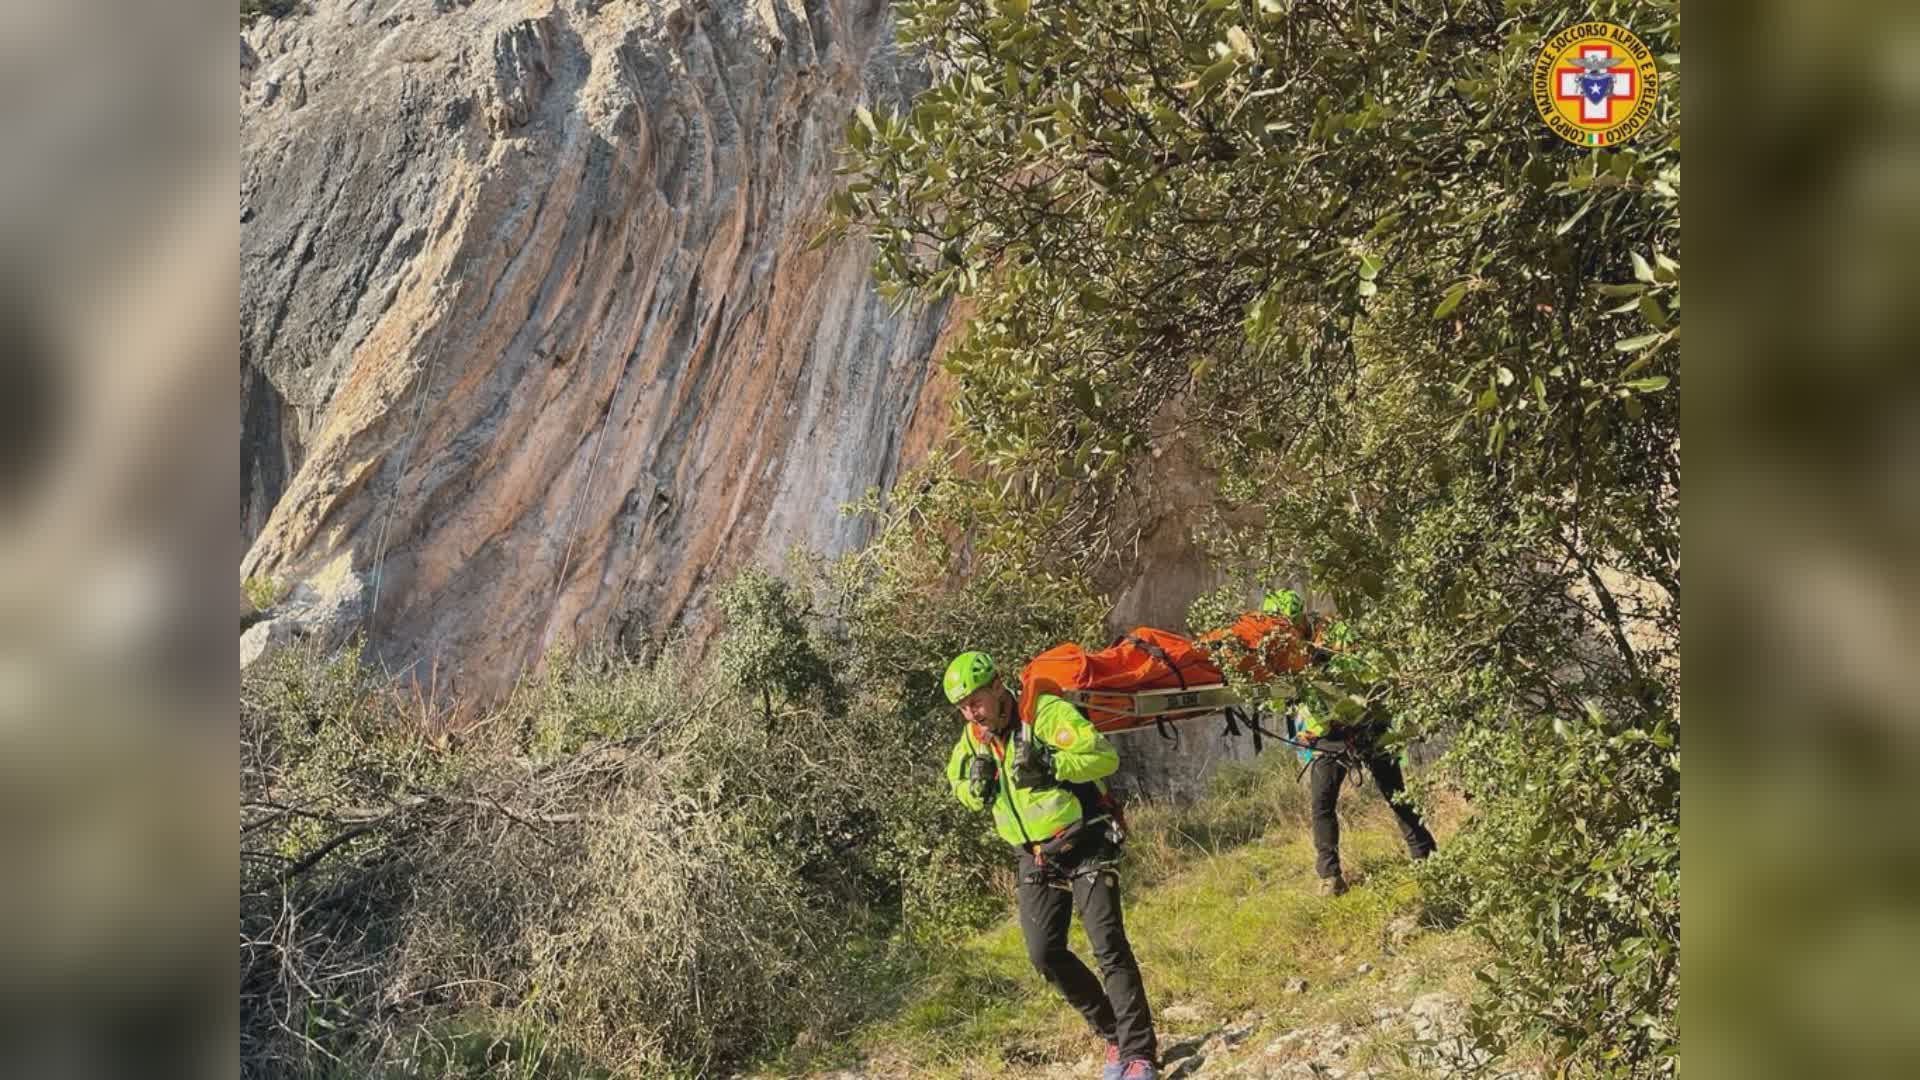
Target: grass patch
1222,910
262,591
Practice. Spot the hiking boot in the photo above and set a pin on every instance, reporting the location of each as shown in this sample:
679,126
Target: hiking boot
1112,1069
1139,1069
1333,886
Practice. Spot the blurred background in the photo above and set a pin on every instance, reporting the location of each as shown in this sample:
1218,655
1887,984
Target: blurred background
119,427
1802,908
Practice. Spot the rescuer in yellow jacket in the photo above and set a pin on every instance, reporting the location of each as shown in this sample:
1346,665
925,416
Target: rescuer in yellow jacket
1045,786
1316,723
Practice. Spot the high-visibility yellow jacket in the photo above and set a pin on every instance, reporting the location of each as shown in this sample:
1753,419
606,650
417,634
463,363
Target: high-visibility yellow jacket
1024,816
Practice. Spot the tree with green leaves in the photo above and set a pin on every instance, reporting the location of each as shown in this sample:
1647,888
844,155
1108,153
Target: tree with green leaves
1432,353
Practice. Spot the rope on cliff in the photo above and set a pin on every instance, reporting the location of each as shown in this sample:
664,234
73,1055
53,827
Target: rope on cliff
406,454
586,487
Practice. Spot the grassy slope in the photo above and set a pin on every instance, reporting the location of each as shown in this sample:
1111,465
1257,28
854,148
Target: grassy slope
1223,913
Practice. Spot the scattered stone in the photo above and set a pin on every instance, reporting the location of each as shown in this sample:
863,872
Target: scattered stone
263,638
1296,986
1280,1044
1186,1067
1187,1012
1434,1015
1402,928
1186,1049
1363,969
1234,1036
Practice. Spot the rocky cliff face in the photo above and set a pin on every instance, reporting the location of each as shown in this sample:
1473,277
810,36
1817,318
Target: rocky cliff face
531,345
532,349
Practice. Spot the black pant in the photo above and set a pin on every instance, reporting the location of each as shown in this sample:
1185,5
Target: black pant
1329,770
1118,1013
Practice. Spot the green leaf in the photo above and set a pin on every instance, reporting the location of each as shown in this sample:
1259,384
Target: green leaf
1368,287
1640,268
1563,228
1386,222
1649,385
1651,310
1451,300
1369,267
1635,343
1213,76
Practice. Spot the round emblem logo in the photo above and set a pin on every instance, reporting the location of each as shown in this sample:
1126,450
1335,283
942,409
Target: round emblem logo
1594,84
1064,738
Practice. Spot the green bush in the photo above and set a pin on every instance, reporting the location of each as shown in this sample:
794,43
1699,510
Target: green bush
768,650
261,591
1589,934
272,9
1431,352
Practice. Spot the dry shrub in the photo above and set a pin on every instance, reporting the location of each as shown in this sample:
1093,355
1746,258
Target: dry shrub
625,870
635,867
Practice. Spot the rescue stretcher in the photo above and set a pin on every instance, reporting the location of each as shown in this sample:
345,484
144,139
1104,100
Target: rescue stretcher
1116,712
1154,678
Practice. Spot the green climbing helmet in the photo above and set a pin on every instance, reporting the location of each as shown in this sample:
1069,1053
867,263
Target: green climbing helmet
969,672
1283,602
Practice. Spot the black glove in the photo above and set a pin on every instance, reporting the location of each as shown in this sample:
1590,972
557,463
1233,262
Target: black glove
982,778
1033,766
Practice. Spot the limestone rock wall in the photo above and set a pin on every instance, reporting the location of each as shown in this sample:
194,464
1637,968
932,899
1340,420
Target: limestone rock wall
532,347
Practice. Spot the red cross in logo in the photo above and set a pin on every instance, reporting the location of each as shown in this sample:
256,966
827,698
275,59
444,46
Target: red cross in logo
1567,87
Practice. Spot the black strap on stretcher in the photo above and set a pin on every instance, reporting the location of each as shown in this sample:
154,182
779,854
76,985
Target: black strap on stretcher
1160,723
